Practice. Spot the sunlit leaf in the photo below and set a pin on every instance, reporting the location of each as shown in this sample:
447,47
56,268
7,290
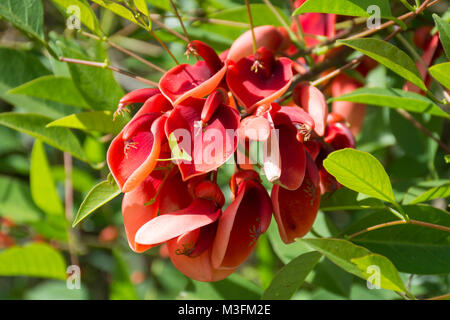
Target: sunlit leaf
441,72
86,14
356,260
393,98
33,260
53,88
100,121
361,172
444,33
99,195
43,189
345,7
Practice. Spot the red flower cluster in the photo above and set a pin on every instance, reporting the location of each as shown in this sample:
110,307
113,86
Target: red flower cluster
166,158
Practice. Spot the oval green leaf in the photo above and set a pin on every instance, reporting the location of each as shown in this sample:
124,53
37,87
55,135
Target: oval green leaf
100,121
444,33
99,195
361,172
86,14
393,98
441,72
390,56
345,7
33,260
357,260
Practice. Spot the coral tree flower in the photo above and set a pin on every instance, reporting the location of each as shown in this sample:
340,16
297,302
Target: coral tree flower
196,80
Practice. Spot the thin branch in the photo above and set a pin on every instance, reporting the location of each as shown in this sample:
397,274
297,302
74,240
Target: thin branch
175,33
104,65
405,114
164,46
126,51
180,20
250,19
443,297
400,222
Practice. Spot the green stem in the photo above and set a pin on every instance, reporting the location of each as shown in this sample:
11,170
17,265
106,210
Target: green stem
250,19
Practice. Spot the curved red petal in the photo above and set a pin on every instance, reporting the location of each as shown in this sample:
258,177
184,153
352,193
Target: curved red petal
240,226
313,101
165,227
296,210
254,88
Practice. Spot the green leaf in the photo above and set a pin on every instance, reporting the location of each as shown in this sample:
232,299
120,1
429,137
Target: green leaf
55,290
447,158
43,189
100,121
393,98
287,281
52,88
412,248
356,260
23,67
345,7
121,287
390,56
16,203
444,33
441,72
87,15
442,191
35,125
33,260
27,15
99,195
119,10
345,199
98,86
141,5
361,172
177,153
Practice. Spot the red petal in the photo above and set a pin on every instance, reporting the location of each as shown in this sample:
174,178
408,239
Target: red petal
295,211
203,141
313,101
138,96
165,227
240,226
186,81
198,268
255,128
252,89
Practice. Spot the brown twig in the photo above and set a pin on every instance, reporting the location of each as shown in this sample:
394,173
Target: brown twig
104,65
68,203
175,33
400,222
126,51
174,7
405,114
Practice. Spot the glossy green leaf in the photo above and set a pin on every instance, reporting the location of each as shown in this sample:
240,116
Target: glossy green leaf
393,98
441,72
141,5
287,281
345,7
43,189
33,260
444,33
27,15
356,260
361,172
53,88
100,121
86,14
412,248
121,287
99,195
390,56
35,125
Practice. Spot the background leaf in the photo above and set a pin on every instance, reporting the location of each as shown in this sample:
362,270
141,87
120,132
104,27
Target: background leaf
87,15
33,260
52,88
286,282
43,189
35,125
444,33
